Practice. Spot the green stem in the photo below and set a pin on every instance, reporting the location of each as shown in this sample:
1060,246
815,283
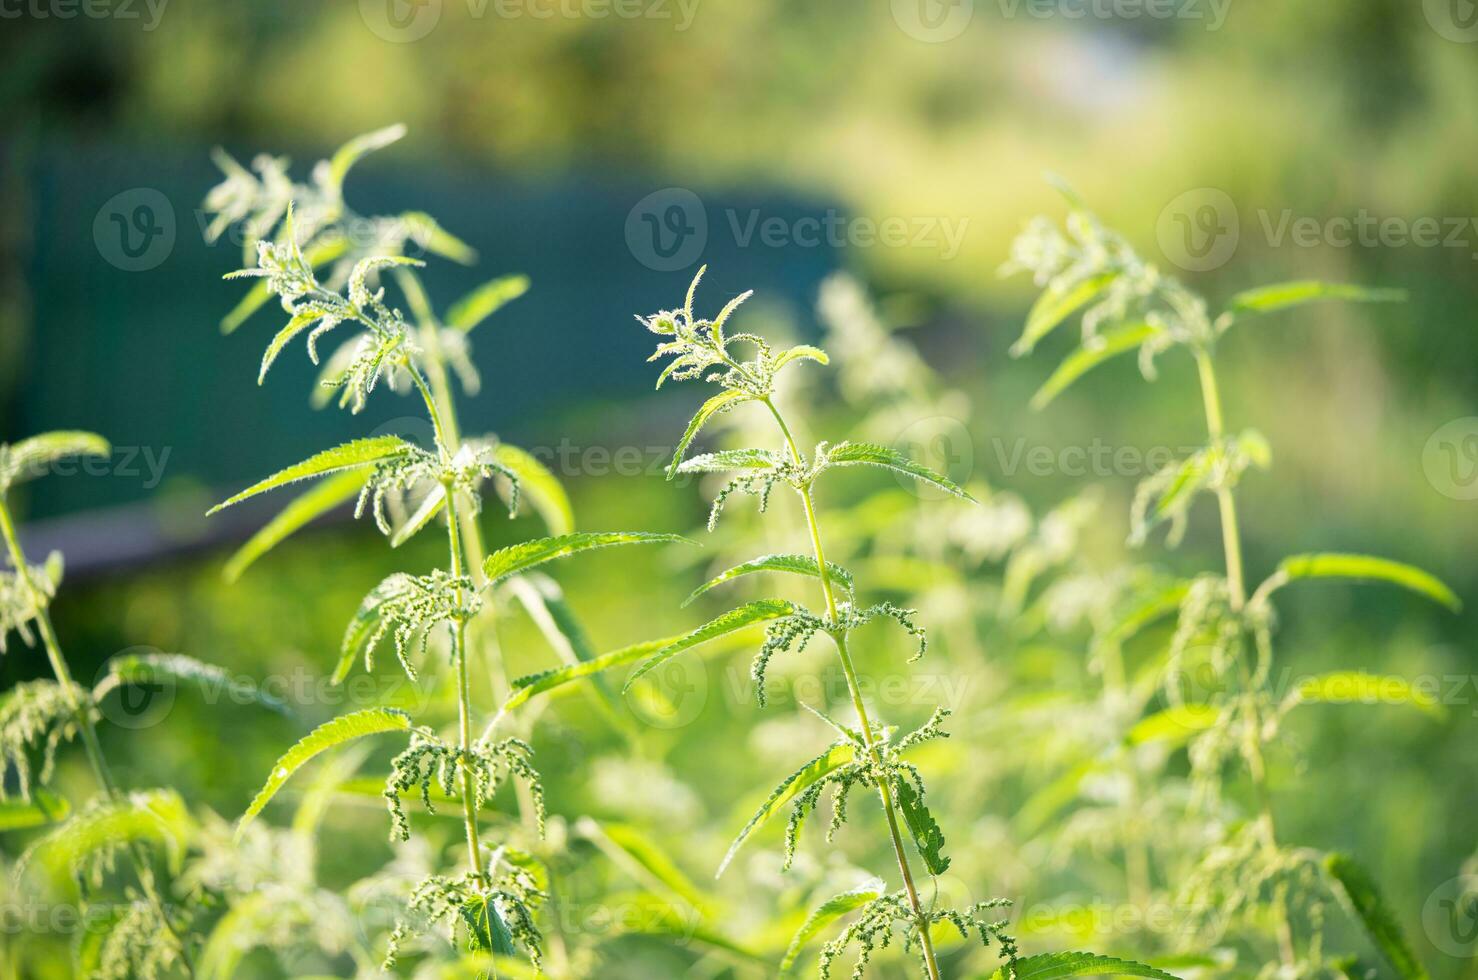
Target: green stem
90,742
1237,590
464,693
839,637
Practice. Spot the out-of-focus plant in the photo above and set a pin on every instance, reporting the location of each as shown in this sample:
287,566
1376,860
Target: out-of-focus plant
325,281
1250,884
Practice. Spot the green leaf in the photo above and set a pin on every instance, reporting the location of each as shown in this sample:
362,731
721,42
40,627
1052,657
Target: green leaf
173,669
351,152
828,912
758,611
486,930
321,499
641,858
922,827
1054,966
802,352
430,235
484,301
532,685
1110,344
29,458
796,564
527,554
158,816
351,455
1266,299
356,724
432,504
318,254
868,454
44,808
729,459
795,784
1357,889
539,484
1362,567
1056,305
1358,687
723,401
1157,606
1175,724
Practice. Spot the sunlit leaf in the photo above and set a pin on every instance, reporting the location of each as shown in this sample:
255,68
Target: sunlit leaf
173,669
322,498
828,912
527,554
1358,890
1366,568
1358,687
1267,299
793,785
794,564
723,401
759,611
484,301
1056,305
1108,345
868,454
351,455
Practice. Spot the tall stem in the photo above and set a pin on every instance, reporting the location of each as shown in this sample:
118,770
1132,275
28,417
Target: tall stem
80,711
839,636
464,691
1231,537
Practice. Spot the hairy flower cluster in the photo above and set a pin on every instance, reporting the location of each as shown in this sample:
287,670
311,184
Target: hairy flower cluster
430,761
19,598
408,608
37,713
1167,494
874,927
139,946
504,909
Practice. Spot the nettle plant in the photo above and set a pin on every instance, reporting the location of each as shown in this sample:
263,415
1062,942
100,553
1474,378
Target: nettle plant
120,854
327,280
868,754
1250,884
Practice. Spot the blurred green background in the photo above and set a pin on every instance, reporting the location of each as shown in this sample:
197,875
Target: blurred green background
1208,133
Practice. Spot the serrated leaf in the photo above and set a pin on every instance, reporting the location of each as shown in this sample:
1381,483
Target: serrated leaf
158,816
1175,724
723,401
174,669
802,352
427,232
1055,966
759,611
1266,299
27,459
484,301
828,912
793,785
527,554
319,253
321,499
729,459
299,323
486,930
356,724
869,454
1108,345
353,151
44,808
351,455
1358,687
1055,306
1358,890
922,827
1368,568
794,564
539,484
533,685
